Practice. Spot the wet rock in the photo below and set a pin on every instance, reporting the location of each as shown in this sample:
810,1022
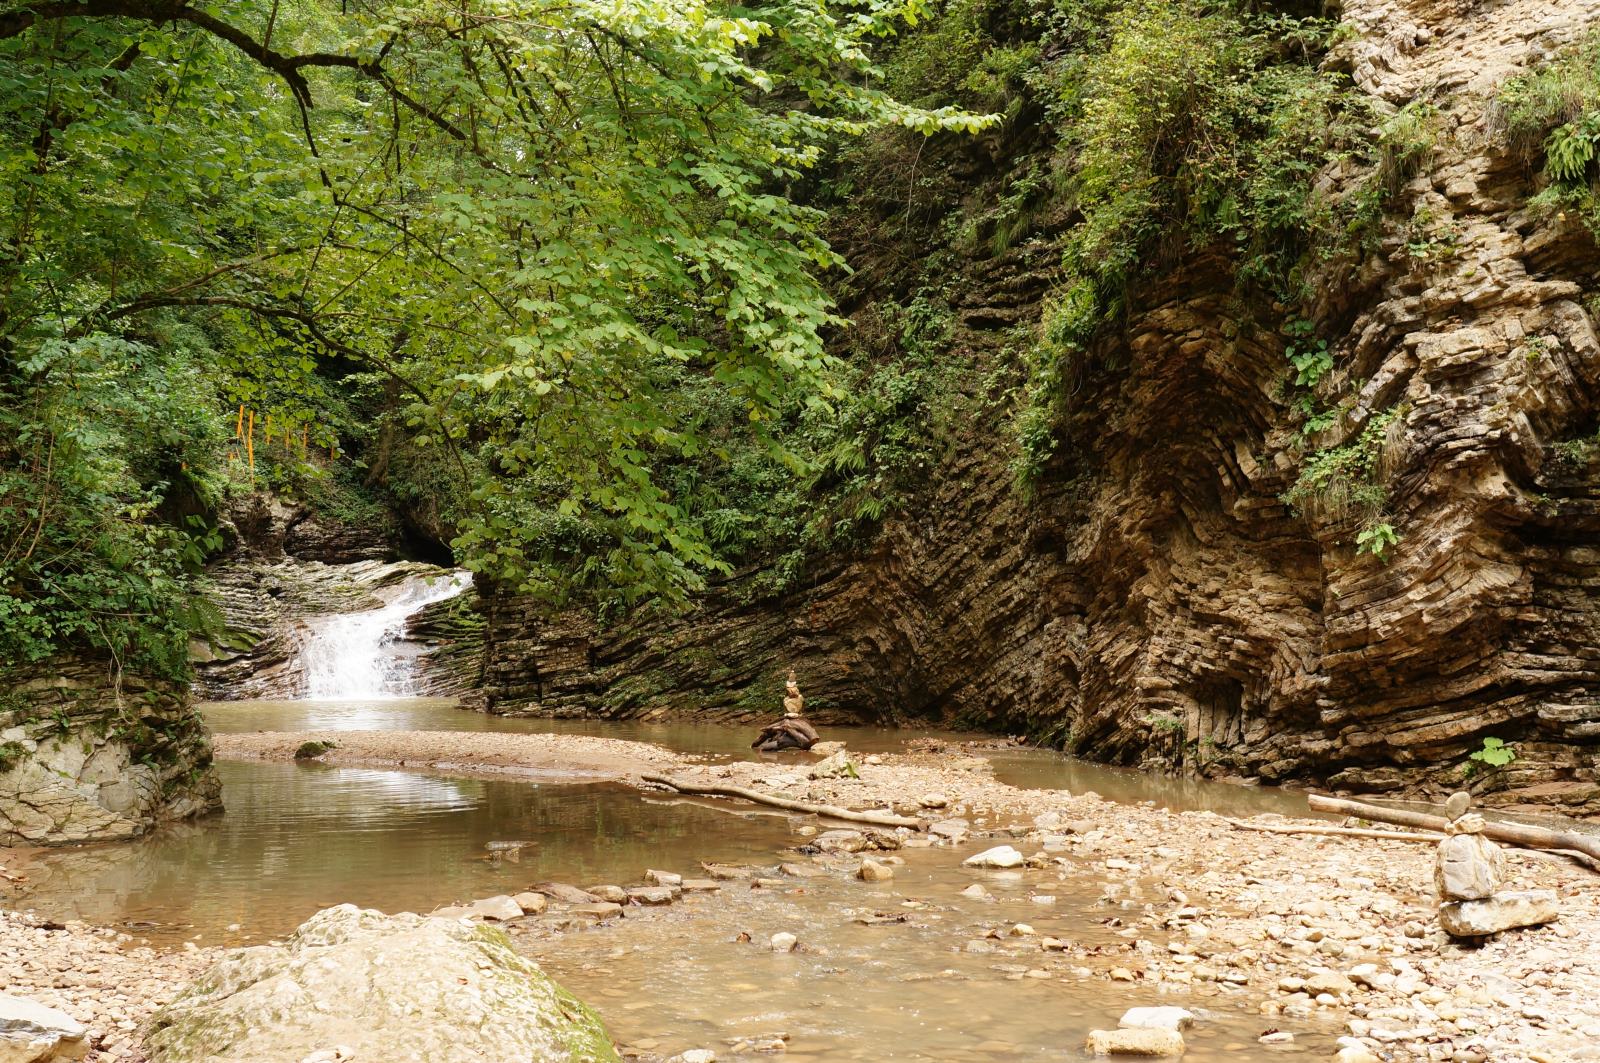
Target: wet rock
663,878
598,909
497,908
701,885
783,942
1140,1042
1276,1037
652,895
695,1055
841,841
933,801
350,977
1156,1018
558,891
977,892
827,749
953,829
530,903
873,871
1001,856
31,1032
1504,911
614,894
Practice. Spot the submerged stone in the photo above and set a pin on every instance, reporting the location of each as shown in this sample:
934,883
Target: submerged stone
1138,1042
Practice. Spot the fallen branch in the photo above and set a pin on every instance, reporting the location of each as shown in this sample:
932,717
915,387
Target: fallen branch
1349,832
1585,848
876,819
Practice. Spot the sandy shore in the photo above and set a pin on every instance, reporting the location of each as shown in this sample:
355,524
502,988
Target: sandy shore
534,756
1301,927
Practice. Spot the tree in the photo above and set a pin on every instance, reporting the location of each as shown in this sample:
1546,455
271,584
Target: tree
542,220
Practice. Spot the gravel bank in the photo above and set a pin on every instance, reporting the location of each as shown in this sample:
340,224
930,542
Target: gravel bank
536,756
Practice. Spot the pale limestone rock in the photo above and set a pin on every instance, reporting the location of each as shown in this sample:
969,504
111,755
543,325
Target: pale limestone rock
873,871
1000,856
835,766
33,1033
783,942
530,903
828,749
663,878
1503,911
349,977
1156,1018
1139,1042
1468,868
651,895
497,908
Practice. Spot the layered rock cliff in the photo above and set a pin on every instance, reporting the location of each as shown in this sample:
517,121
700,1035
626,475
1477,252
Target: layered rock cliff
1155,599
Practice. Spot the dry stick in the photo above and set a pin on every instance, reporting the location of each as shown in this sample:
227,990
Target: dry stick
250,444
876,819
1529,837
1349,832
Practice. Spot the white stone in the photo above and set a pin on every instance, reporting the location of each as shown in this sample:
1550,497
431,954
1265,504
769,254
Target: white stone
497,908
784,942
1503,911
663,878
999,856
31,1032
873,871
1156,1018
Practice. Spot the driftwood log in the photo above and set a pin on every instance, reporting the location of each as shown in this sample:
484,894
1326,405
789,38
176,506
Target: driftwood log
1348,832
876,819
1584,847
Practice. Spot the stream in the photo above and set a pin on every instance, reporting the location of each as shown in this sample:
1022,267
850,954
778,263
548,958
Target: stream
299,837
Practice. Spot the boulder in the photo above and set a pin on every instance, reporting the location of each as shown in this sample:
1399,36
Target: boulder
497,908
614,894
1158,1018
33,1033
530,903
784,942
841,841
873,871
1468,868
1140,1042
999,856
650,895
837,766
827,749
1503,911
663,878
557,891
383,987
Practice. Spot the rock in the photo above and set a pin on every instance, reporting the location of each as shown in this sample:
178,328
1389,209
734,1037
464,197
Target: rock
701,885
598,910
1503,911
873,871
999,856
31,1032
650,895
827,749
1276,1037
1352,1054
1021,930
1328,982
954,829
695,1055
498,908
784,942
614,894
1469,867
530,903
1156,1018
557,891
841,841
933,801
837,766
1138,1042
977,892
350,977
663,878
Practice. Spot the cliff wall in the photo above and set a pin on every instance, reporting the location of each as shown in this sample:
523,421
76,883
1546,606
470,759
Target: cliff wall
1154,599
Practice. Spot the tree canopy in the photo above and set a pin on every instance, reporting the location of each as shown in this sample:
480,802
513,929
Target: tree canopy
555,227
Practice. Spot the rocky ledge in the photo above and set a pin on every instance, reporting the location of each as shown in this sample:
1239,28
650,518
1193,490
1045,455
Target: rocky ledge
85,756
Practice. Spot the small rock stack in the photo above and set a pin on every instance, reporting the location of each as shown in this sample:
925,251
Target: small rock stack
1468,873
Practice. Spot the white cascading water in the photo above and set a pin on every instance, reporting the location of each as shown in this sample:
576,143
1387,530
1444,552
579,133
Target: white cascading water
353,656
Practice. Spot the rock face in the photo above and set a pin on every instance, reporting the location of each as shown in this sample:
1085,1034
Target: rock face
1155,600
383,987
81,760
33,1033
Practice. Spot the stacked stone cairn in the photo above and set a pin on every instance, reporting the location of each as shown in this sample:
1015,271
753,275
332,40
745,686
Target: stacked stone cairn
1468,874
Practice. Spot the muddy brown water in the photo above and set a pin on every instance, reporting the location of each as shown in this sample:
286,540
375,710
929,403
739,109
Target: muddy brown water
299,837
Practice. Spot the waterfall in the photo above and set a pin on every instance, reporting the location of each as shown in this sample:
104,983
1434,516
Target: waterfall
354,655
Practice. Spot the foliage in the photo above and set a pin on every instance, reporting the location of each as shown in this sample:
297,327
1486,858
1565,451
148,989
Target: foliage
1554,112
100,437
1494,753
541,237
1337,480
1187,124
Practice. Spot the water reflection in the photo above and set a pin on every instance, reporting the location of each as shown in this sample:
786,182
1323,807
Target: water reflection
297,838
